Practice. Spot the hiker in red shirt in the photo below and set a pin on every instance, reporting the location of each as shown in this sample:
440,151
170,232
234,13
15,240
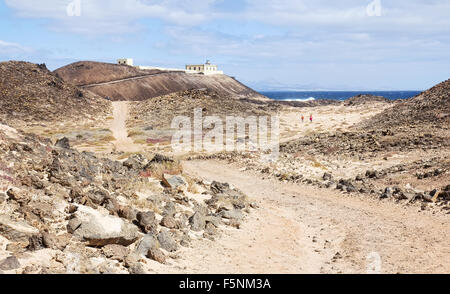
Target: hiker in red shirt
310,118
303,118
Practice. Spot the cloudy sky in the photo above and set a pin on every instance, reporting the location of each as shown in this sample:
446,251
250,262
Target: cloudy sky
304,44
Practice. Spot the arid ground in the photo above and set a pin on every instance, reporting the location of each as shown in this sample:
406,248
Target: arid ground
93,186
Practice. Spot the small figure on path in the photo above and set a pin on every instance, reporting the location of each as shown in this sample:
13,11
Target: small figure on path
303,118
310,118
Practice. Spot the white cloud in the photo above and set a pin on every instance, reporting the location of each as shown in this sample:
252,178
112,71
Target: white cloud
113,16
324,36
13,49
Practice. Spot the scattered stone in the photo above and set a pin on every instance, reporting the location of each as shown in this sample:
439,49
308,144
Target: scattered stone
219,188
16,231
197,222
445,194
158,158
156,255
234,223
372,174
232,214
177,183
214,220
134,266
148,242
167,242
10,263
135,162
115,252
387,193
147,221
336,257
170,209
128,213
100,230
55,242
73,225
327,177
63,143
169,222
35,243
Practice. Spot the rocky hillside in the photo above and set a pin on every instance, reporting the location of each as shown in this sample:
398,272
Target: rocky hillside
128,83
159,112
431,107
91,72
364,99
31,93
62,211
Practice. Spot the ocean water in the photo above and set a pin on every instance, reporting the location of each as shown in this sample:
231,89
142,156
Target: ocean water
335,95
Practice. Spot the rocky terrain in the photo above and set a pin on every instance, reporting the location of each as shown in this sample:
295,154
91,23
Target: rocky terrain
430,108
90,186
365,99
124,83
31,94
91,72
63,211
159,112
390,156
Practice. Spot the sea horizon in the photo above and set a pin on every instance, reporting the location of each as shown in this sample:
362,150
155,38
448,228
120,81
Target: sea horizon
302,95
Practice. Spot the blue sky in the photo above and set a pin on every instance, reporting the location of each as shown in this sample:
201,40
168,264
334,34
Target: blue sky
302,44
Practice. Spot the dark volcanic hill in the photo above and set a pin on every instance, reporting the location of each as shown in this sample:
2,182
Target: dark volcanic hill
431,107
364,99
129,83
31,93
91,72
159,112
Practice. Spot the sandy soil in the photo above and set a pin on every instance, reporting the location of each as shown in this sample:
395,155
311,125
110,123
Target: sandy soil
325,119
118,127
302,229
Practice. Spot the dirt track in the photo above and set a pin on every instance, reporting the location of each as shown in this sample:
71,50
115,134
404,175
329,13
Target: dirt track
302,229
118,127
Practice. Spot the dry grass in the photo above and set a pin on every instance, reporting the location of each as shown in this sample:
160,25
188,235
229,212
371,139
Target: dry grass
126,155
135,133
144,204
108,138
140,141
192,185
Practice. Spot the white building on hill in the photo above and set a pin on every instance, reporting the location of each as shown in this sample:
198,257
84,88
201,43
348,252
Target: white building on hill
125,61
207,68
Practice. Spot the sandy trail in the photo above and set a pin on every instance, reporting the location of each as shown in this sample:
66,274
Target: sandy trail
119,129
303,229
325,119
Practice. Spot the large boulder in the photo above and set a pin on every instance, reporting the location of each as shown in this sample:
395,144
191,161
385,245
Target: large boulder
100,230
174,182
16,231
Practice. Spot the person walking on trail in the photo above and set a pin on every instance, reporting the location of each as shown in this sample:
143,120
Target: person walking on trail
310,118
303,118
